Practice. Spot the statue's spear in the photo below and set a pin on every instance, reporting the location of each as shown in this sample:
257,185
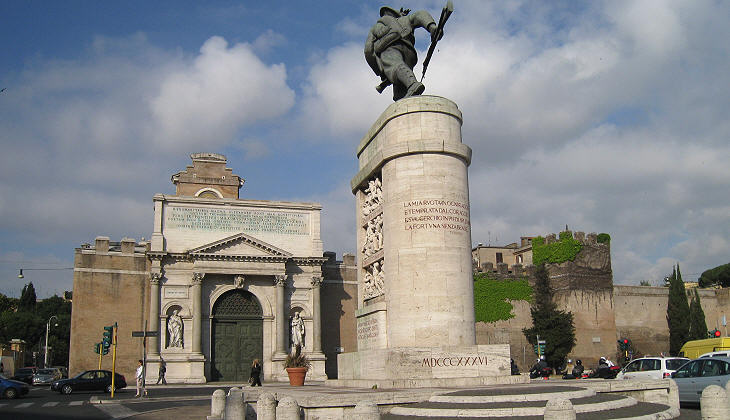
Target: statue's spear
445,13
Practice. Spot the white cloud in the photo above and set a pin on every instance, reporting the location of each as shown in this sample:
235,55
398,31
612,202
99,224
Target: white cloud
608,117
220,91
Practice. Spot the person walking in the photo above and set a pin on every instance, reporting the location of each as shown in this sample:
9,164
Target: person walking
255,373
140,379
161,372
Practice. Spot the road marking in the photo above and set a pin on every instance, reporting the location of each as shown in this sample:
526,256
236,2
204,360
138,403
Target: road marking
50,404
76,403
24,405
116,411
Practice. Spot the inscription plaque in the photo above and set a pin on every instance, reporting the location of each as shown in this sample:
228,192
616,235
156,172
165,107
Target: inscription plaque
434,214
175,292
236,220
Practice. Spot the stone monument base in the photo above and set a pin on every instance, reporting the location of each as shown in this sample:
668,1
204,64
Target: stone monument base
423,367
182,368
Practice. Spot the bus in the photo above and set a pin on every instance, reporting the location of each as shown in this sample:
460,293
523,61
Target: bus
693,349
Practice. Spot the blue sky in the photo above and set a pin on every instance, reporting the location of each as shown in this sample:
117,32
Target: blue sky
605,116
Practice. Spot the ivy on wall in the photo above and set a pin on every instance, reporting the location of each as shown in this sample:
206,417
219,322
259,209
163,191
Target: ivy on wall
603,238
564,249
492,297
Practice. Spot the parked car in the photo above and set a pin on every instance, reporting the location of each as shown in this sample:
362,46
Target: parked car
12,389
90,380
46,376
63,370
651,367
24,375
694,376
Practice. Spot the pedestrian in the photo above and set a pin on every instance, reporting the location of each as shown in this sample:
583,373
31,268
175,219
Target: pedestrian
140,379
161,372
255,373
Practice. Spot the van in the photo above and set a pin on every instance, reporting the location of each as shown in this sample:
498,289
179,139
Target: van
693,349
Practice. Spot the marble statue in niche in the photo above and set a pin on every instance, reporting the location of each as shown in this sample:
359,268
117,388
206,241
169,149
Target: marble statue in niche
175,329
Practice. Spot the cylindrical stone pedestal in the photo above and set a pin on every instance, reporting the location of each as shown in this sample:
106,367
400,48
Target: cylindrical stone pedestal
218,404
415,316
266,407
416,152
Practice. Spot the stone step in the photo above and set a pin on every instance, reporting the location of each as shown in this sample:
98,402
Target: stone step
513,394
511,408
640,411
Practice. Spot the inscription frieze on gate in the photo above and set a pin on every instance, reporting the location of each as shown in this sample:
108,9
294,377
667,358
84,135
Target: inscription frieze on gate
236,220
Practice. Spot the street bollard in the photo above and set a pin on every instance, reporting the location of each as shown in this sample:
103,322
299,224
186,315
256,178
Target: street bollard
266,407
365,410
217,404
235,405
560,409
288,409
713,403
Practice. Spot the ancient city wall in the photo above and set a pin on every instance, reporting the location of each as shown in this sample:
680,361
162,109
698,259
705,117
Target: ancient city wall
339,303
641,314
111,284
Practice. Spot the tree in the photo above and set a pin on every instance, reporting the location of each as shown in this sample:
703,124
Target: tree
552,325
27,298
718,276
697,324
8,303
677,312
644,283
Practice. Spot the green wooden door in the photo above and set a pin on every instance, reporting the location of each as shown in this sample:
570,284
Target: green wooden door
237,336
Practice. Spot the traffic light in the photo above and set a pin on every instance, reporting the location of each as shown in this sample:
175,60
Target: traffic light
97,348
624,344
107,339
714,333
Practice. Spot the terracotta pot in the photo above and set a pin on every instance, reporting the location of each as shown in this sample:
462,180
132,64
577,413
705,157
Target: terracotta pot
296,375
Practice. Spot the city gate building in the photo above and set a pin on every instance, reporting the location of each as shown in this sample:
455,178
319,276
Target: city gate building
225,276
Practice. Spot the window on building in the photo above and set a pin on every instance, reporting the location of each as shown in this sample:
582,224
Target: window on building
499,258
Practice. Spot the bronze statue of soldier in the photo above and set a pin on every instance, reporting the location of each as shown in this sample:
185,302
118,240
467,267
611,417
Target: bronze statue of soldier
390,50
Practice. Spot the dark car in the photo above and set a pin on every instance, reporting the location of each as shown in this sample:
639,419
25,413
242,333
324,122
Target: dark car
46,376
11,389
24,375
91,380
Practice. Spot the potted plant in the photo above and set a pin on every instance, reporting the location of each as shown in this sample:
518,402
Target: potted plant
296,365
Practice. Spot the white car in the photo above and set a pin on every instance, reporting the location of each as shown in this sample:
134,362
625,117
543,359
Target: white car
724,353
693,377
651,367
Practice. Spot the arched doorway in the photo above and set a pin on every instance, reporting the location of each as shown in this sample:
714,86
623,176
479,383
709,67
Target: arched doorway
238,337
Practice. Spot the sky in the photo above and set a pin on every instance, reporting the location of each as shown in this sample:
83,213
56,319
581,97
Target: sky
606,116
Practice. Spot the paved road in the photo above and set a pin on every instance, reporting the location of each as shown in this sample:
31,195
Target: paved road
189,402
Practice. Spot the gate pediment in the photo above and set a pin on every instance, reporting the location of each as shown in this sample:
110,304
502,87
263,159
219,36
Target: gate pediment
239,245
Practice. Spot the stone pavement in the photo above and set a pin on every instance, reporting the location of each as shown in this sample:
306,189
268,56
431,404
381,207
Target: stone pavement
316,393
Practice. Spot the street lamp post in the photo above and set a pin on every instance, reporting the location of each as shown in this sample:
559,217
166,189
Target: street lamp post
48,327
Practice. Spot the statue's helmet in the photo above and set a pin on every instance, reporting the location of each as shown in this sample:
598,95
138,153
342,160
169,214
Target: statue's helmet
396,13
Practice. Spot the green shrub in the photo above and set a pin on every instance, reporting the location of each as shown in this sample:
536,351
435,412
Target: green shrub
565,249
492,297
604,238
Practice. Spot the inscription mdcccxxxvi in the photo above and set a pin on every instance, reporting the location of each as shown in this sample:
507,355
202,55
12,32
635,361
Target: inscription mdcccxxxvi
236,220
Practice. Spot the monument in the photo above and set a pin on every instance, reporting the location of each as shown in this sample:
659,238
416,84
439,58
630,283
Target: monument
415,317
